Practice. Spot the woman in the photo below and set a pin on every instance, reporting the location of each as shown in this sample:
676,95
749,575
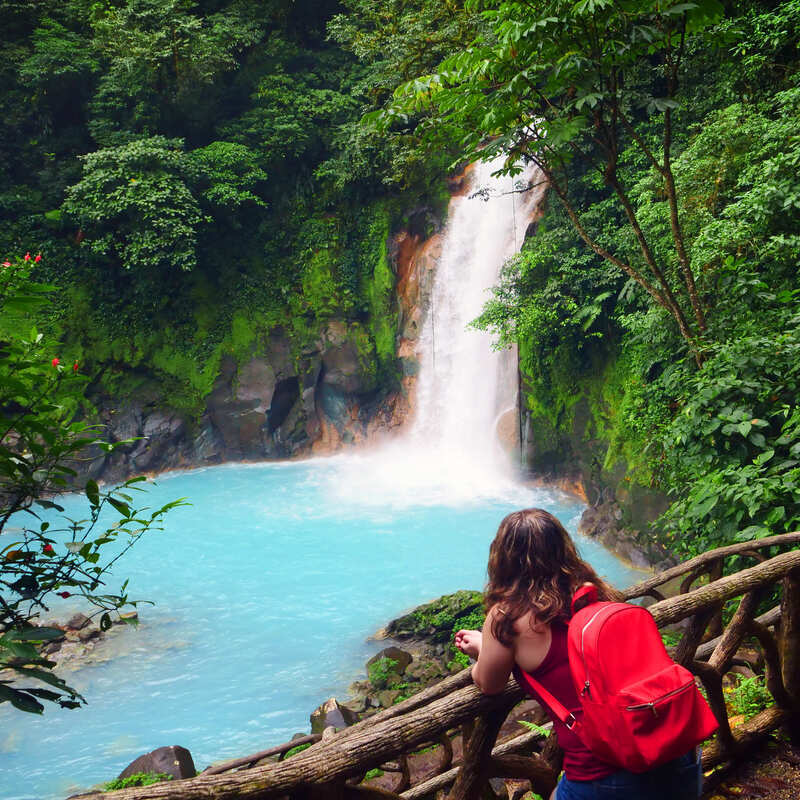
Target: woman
534,570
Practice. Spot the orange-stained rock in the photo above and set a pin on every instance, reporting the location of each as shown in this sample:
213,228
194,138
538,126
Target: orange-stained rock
459,184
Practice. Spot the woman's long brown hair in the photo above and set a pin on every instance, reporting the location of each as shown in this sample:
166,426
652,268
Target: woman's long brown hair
534,566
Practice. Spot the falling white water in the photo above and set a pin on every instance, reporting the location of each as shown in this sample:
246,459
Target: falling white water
464,385
451,451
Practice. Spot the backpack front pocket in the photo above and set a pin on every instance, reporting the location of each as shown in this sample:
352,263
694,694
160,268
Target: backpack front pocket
658,717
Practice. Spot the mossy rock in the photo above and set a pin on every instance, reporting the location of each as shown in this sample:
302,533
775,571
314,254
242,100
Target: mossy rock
435,622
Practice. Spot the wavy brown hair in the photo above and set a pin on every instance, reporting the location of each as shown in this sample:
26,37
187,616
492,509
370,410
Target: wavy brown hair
534,566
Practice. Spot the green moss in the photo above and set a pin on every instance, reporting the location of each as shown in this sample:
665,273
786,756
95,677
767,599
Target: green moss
380,293
243,334
437,621
299,749
608,416
379,672
320,288
378,289
459,659
137,779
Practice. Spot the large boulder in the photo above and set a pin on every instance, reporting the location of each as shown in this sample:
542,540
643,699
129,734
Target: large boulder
240,418
332,714
340,359
173,760
435,622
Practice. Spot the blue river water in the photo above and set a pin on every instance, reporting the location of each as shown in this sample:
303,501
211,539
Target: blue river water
267,589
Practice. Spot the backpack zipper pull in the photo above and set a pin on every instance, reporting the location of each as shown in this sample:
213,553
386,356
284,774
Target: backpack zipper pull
585,689
653,709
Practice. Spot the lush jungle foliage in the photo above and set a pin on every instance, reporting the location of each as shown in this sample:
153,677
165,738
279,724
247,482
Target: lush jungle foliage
192,175
661,287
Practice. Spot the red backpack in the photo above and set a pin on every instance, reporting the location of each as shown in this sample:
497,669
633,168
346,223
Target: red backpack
639,708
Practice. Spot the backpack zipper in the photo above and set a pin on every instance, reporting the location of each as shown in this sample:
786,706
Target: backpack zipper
586,686
652,705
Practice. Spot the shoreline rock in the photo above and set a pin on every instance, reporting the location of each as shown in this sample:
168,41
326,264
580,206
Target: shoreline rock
605,522
82,638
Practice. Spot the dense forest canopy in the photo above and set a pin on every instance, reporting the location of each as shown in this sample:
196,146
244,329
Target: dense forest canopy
196,174
199,165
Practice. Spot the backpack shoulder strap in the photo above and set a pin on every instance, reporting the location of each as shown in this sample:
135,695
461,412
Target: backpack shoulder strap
548,698
586,593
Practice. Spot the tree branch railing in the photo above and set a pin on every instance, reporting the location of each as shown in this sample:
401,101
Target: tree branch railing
334,766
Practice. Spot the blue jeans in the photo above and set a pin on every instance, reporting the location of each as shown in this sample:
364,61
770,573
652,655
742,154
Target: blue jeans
681,779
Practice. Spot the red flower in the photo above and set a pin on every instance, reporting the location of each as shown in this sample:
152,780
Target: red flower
38,258
75,367
48,548
6,263
63,594
55,362
27,256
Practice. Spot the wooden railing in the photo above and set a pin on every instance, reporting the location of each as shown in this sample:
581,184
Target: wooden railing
713,633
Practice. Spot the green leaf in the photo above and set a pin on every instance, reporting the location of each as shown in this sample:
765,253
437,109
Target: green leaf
45,694
744,427
123,508
20,700
47,677
93,492
761,458
702,508
34,634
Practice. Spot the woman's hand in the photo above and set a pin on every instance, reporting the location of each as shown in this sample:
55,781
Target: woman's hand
469,642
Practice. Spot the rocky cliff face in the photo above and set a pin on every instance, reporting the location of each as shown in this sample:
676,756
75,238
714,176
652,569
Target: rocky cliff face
280,404
573,458
273,405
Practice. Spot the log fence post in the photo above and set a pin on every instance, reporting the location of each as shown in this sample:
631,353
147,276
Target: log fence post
474,773
790,647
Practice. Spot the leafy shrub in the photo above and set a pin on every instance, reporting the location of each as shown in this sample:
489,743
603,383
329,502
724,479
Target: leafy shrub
39,399
379,672
750,696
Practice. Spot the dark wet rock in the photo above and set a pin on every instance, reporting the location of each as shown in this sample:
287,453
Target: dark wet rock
343,368
606,523
77,621
87,634
332,713
207,447
387,697
425,671
173,760
357,704
334,404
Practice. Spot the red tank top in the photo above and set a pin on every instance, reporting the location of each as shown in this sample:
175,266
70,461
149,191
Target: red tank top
553,673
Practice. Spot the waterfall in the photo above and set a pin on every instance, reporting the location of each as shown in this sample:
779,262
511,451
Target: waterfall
466,393
464,385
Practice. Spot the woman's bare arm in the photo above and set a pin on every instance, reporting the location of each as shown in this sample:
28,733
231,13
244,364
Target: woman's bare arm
495,660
